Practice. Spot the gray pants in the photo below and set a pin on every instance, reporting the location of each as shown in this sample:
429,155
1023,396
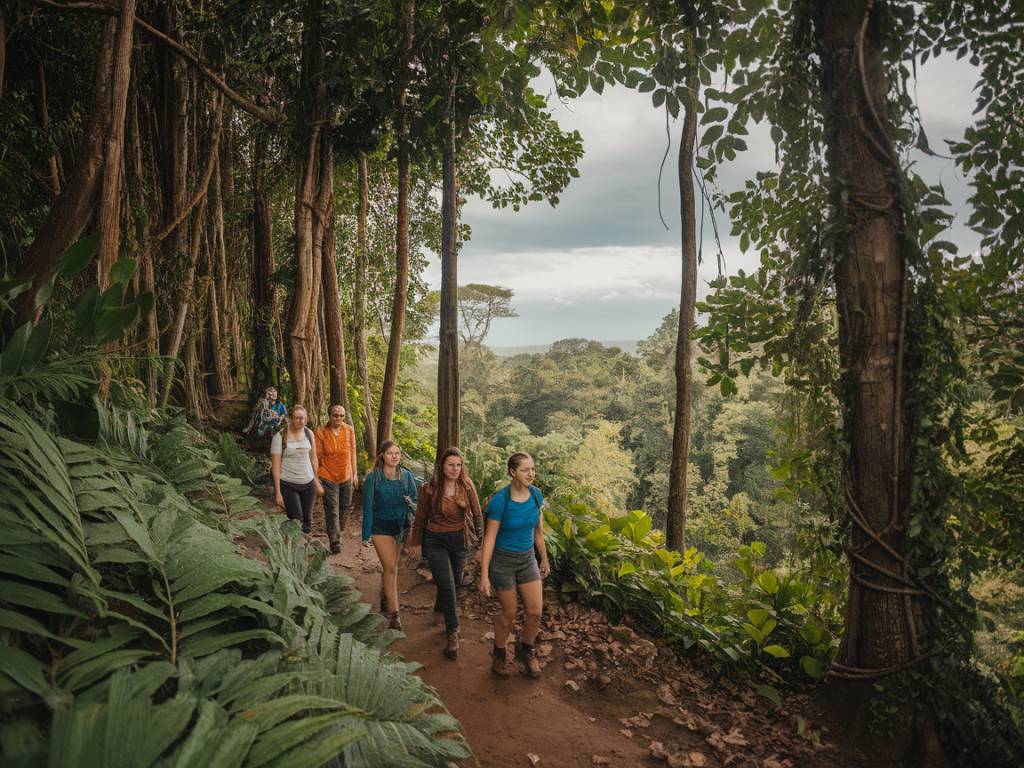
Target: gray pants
446,555
337,501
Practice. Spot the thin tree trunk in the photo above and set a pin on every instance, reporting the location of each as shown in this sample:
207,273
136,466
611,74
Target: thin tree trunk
359,310
675,522
72,211
215,355
110,193
406,13
3,54
334,330
43,110
188,281
264,306
449,415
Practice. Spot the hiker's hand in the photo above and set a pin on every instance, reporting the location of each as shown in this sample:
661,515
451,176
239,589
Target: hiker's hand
545,568
279,501
319,488
485,585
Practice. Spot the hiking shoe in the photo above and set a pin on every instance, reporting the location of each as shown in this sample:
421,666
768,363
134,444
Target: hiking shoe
501,666
531,664
335,547
451,650
395,622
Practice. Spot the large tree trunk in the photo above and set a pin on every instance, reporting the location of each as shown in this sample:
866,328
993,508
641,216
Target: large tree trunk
73,210
449,413
110,193
883,610
359,310
675,522
264,302
406,13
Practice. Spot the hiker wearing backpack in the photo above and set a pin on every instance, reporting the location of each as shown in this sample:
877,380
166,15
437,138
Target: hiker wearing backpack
389,493
293,465
448,525
508,561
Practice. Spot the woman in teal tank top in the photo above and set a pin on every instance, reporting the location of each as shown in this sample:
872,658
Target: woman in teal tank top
513,535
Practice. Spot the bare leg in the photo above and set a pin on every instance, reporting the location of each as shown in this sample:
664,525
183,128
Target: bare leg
533,605
505,620
387,551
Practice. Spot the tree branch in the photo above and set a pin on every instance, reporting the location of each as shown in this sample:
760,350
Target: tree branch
265,115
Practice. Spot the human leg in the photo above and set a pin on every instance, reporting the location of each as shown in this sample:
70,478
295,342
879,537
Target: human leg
306,497
387,551
437,549
503,624
331,502
292,495
344,505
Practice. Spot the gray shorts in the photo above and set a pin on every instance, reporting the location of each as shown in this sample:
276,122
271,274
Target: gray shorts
511,568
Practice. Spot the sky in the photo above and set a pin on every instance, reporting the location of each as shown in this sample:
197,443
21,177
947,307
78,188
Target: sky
601,265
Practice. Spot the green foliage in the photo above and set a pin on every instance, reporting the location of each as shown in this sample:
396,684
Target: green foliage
757,620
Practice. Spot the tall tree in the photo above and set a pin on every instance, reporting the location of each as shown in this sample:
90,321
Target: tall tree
359,308
405,17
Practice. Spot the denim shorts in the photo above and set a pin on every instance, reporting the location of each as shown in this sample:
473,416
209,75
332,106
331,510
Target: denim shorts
511,568
386,527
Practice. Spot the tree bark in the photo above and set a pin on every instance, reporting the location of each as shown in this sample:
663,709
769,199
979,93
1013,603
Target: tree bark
43,113
675,521
264,307
334,330
215,341
406,14
359,310
3,53
110,193
449,412
870,294
73,210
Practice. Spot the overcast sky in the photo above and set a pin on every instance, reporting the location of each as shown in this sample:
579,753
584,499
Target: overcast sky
601,265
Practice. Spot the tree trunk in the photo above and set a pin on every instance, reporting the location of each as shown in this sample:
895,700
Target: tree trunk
675,522
43,113
264,304
335,331
449,415
219,262
3,54
215,341
73,210
303,314
406,13
359,310
110,193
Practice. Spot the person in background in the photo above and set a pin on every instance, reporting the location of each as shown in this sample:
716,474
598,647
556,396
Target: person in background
514,532
448,522
293,465
388,493
336,453
268,415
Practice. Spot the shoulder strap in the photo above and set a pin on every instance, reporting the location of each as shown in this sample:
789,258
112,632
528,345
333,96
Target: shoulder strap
535,495
310,436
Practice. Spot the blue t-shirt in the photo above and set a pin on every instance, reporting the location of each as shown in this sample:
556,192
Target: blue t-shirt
518,519
385,499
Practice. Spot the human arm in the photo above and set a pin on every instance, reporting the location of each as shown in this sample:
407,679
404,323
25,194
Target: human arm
474,510
423,505
275,469
367,506
538,543
487,552
350,435
314,461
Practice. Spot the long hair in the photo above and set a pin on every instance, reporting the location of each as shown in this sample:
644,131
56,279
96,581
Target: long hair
436,483
378,463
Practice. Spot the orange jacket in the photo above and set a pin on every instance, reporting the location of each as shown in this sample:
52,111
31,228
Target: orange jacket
336,454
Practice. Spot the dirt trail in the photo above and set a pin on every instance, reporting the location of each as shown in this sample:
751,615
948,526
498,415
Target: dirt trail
608,695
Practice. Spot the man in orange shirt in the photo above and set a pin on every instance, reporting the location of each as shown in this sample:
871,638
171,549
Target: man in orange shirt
336,450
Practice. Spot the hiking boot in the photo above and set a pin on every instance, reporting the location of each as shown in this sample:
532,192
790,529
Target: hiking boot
451,650
395,622
335,547
531,664
501,666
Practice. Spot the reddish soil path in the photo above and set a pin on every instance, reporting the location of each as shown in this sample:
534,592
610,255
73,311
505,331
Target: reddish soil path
608,696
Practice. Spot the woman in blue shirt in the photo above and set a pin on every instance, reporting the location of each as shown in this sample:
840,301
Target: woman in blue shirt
514,532
389,493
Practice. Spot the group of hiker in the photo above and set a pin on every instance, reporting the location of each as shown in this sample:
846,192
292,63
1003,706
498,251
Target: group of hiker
442,520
